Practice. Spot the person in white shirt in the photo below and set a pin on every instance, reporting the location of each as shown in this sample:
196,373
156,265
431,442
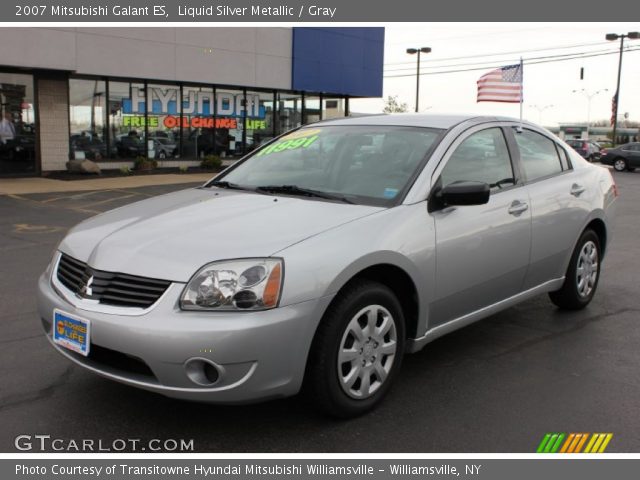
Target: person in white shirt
7,128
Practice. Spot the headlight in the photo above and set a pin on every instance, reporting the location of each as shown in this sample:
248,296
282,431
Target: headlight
252,284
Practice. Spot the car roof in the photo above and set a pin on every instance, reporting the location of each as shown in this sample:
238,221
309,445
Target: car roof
440,121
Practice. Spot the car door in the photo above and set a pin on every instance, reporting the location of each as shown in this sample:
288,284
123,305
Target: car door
482,251
634,155
558,204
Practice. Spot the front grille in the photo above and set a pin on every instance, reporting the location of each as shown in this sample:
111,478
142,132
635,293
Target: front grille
109,288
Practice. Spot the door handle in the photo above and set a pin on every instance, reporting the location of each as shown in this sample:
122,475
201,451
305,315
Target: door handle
517,207
576,190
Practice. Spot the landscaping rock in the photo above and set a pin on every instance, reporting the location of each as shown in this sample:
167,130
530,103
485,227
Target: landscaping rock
83,166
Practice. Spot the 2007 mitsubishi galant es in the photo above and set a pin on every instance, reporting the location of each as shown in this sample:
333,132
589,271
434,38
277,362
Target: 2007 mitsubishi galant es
320,259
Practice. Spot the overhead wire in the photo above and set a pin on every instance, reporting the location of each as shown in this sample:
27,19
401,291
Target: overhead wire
527,61
513,52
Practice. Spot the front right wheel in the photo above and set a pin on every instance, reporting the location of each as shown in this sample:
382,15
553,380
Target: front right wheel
357,350
583,273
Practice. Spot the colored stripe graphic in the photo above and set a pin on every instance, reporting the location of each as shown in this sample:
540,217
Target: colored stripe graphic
550,443
598,443
574,442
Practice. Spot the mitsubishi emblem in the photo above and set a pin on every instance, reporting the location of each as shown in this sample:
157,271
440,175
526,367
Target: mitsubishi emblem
86,290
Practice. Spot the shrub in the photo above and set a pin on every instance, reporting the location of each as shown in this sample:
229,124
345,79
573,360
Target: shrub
211,162
143,163
183,169
125,170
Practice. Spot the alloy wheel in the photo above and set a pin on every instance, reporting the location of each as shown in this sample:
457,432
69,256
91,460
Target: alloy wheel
620,165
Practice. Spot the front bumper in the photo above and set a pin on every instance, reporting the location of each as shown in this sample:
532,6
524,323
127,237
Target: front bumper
259,355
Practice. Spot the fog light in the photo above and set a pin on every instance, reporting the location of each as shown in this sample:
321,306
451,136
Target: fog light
203,372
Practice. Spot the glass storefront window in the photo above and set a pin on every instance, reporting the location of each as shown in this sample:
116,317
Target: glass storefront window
173,121
127,103
289,111
198,126
311,109
230,107
163,121
259,111
17,124
87,119
333,108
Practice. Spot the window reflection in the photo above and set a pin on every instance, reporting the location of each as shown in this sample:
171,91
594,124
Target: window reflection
289,111
127,120
163,118
260,128
87,119
17,124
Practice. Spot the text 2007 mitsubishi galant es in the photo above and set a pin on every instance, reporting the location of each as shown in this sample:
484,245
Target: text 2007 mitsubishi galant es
318,260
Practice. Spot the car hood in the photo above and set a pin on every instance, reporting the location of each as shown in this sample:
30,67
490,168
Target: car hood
171,236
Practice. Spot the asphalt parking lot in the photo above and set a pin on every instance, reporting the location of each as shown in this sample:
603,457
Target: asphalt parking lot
495,386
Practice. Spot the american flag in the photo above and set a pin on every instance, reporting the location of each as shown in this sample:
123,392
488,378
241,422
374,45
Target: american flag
501,85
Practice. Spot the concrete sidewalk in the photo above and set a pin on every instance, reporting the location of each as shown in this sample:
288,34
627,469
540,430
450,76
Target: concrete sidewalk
19,186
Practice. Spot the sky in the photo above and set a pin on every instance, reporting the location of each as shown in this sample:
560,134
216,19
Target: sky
549,96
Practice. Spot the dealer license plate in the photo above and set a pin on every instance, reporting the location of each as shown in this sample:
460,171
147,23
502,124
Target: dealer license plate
71,332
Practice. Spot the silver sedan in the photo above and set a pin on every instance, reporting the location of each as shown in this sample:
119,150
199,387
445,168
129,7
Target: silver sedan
317,261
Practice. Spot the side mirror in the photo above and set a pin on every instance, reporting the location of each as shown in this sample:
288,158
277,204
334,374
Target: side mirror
464,193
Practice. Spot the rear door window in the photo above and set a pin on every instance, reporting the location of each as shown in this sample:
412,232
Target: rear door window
538,155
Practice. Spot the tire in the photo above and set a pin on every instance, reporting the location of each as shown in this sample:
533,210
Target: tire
583,273
620,164
162,155
345,328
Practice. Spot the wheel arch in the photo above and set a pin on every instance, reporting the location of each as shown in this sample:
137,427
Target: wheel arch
599,227
395,272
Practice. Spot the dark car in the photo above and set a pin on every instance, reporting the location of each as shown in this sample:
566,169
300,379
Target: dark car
624,157
93,147
130,146
18,154
589,149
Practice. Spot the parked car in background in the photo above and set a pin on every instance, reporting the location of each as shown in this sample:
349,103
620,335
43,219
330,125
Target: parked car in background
130,146
18,154
625,157
318,272
91,146
589,149
164,148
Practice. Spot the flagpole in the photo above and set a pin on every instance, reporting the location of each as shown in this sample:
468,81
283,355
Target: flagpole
521,89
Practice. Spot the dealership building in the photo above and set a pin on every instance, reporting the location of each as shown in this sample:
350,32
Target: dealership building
113,95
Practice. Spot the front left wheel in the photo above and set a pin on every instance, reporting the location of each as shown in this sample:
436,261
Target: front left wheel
620,164
357,351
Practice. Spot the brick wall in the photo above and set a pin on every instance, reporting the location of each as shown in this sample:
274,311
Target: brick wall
53,111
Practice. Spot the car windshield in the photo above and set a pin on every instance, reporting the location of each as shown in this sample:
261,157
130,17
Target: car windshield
372,165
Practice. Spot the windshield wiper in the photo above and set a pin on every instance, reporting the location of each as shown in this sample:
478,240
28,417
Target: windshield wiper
229,185
300,191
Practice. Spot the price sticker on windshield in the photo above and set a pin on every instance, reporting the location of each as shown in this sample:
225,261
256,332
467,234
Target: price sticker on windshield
294,141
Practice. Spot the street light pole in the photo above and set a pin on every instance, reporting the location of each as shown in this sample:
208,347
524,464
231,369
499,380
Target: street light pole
412,51
589,97
613,37
540,109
